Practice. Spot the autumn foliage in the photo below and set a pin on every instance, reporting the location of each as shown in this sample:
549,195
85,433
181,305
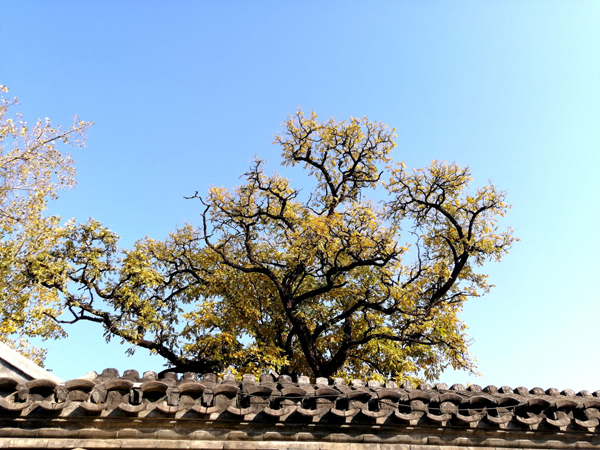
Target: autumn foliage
317,282
32,170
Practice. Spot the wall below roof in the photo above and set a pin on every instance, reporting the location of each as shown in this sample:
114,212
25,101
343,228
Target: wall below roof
246,436
216,445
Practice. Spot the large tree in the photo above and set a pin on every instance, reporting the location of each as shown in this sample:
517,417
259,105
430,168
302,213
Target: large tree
316,282
32,170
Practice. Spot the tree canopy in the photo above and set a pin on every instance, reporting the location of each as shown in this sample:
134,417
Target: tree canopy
316,282
32,170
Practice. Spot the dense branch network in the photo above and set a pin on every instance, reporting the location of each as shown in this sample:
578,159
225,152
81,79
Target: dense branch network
32,171
318,285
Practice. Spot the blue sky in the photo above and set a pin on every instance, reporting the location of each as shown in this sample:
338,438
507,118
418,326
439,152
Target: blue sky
185,93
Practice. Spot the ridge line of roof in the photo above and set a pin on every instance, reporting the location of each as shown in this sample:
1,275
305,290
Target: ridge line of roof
25,365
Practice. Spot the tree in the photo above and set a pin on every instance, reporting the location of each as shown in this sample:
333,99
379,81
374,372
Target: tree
32,170
317,283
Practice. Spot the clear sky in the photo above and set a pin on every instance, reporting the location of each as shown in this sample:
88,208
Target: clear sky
185,93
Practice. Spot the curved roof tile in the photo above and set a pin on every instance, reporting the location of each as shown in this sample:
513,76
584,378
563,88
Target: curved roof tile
328,405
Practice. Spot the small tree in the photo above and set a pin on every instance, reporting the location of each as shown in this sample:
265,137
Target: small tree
317,285
32,170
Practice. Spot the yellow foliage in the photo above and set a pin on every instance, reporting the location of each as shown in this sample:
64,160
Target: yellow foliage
32,170
317,284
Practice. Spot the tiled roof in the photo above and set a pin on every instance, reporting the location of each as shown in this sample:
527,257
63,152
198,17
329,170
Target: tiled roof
15,365
191,406
283,400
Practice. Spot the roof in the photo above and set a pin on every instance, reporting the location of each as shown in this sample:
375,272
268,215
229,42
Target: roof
13,364
203,411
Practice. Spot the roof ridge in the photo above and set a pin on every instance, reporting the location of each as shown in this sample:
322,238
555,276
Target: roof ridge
25,365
